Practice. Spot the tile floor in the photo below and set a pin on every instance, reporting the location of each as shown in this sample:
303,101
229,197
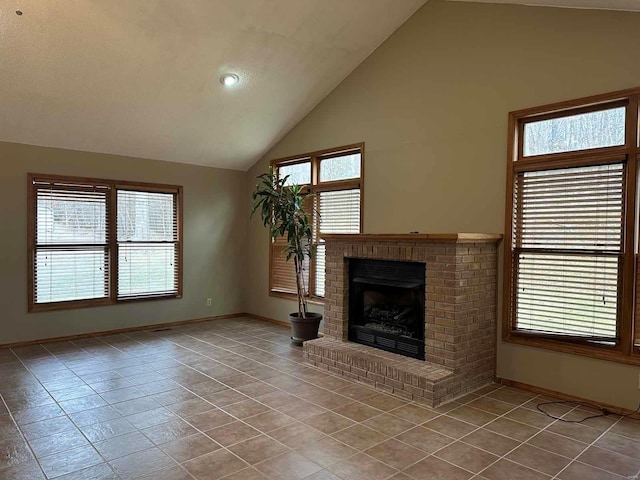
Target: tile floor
232,400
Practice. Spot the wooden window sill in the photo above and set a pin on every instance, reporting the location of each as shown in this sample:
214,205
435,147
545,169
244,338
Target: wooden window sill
147,298
293,297
72,304
101,302
612,354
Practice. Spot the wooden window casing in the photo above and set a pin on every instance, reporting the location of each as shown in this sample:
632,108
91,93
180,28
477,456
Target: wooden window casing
111,245
622,160
281,273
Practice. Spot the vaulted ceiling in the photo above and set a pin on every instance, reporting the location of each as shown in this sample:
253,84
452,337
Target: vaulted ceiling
141,78
627,5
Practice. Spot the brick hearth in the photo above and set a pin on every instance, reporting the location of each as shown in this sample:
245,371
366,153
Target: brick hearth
460,315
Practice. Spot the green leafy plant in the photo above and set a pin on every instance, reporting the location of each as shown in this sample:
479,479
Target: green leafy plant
281,210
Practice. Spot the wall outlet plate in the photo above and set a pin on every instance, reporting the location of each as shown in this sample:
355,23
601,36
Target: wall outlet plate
208,302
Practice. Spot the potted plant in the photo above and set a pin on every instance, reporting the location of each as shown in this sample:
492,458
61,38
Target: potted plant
281,211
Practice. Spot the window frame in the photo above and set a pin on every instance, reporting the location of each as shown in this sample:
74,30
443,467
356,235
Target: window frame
624,351
315,158
112,250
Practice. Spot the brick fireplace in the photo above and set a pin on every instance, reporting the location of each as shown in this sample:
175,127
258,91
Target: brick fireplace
460,290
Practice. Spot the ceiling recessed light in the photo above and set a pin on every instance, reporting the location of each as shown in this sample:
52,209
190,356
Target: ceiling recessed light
229,79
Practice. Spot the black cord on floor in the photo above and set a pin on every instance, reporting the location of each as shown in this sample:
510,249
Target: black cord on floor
604,411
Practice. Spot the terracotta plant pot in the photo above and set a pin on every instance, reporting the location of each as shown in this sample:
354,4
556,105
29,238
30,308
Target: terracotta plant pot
304,328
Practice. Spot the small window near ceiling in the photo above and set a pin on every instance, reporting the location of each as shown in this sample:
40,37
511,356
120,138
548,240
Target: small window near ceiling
340,168
599,129
298,173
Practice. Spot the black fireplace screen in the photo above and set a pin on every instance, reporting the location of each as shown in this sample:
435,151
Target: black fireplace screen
386,305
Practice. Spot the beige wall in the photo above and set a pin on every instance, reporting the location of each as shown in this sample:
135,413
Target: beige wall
431,105
215,221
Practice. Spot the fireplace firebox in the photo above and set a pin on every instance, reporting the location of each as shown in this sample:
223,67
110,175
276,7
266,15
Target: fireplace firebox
387,305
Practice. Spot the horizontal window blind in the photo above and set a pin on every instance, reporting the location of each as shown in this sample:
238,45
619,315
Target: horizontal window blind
339,213
148,246
147,269
577,208
71,260
321,265
567,241
146,216
568,294
283,272
63,275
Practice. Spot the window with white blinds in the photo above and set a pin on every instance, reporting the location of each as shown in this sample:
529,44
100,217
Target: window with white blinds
282,271
71,251
568,243
335,178
147,244
283,275
83,254
339,212
569,270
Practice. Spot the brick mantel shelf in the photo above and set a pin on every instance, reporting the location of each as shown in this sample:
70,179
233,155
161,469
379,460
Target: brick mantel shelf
460,315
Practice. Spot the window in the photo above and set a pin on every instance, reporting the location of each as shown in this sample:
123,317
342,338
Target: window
71,253
335,177
600,128
96,242
568,239
570,273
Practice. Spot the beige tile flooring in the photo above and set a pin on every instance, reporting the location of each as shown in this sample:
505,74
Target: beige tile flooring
231,399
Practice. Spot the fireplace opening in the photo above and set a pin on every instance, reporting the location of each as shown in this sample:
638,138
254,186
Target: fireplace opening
386,305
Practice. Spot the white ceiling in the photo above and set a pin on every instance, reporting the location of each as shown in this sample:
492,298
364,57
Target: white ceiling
627,5
140,77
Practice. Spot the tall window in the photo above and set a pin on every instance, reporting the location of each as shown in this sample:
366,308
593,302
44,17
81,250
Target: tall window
335,177
147,243
96,242
571,224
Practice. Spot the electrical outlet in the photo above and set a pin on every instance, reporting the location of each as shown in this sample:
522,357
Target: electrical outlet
208,302
639,381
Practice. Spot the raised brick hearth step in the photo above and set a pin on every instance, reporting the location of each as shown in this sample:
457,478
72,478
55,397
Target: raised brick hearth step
396,374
